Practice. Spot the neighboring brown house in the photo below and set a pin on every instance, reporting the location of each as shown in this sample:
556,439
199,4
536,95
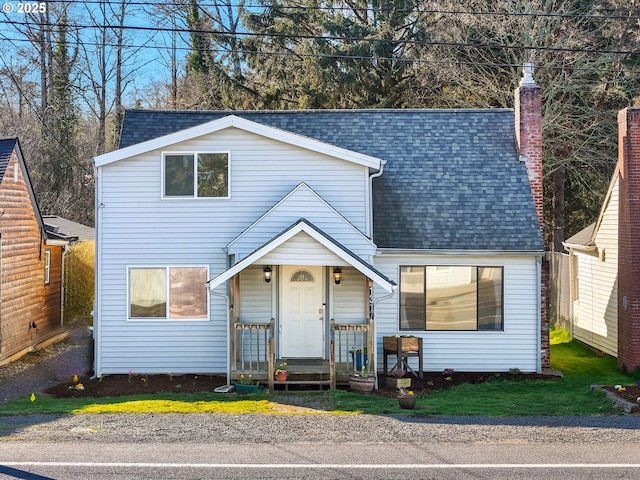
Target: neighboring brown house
30,263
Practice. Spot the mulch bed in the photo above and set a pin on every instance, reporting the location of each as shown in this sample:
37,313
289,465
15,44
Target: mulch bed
119,385
631,393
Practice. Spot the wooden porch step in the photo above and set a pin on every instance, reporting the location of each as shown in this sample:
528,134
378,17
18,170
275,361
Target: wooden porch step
286,383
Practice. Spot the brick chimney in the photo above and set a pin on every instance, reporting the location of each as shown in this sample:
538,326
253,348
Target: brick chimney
528,113
628,240
528,124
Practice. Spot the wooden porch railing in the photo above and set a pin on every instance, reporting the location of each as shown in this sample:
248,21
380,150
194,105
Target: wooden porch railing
351,344
254,350
252,346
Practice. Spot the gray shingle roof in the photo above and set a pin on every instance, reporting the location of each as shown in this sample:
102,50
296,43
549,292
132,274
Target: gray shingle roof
6,148
67,228
452,179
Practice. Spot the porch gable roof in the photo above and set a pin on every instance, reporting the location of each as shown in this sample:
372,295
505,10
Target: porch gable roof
301,202
302,225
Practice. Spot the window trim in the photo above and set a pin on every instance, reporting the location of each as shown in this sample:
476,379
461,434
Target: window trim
195,154
47,266
166,318
425,266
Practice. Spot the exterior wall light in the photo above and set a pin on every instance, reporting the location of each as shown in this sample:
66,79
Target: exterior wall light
267,274
337,275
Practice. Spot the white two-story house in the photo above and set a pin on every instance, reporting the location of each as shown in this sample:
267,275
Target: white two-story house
227,242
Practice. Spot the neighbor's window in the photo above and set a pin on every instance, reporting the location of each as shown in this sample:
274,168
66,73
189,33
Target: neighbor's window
196,175
184,287
451,298
47,266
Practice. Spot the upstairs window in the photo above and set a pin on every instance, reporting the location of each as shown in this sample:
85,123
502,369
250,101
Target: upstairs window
451,298
196,175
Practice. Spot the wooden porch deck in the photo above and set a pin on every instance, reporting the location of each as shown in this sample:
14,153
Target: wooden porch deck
254,352
300,372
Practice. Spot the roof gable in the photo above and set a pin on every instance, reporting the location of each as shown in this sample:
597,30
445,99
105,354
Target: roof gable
7,147
301,201
233,121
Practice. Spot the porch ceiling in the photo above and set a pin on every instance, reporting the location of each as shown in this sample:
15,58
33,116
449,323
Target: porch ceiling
335,248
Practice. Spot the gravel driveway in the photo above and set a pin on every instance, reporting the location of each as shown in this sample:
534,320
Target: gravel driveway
39,370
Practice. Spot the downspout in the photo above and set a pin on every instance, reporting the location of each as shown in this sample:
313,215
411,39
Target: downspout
228,326
375,342
539,314
97,302
370,197
63,290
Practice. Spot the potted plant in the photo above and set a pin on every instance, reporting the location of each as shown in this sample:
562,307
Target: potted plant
247,384
406,398
281,372
396,380
362,381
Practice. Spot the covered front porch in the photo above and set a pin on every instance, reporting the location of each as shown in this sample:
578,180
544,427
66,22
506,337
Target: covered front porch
302,299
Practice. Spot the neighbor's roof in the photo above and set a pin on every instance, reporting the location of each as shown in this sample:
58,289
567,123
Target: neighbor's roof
67,228
583,237
452,179
7,145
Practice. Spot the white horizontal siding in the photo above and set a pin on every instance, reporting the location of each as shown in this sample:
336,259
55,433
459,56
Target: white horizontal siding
137,227
255,296
515,347
350,297
595,310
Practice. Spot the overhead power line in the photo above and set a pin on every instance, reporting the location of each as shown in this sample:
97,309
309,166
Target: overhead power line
382,59
331,37
256,6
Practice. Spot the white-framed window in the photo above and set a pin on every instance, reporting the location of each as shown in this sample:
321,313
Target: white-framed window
167,293
463,298
47,266
195,175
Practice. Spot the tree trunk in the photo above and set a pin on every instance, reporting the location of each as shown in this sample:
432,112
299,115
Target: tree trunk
558,179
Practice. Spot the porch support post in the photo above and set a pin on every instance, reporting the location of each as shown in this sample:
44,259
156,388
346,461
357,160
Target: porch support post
271,353
371,348
332,356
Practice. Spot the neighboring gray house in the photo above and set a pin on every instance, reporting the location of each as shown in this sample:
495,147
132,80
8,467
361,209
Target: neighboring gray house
318,232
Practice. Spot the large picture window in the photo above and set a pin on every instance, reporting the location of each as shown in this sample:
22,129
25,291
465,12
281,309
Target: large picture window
182,289
451,298
196,175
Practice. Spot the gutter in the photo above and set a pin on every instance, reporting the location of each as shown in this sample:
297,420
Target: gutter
474,253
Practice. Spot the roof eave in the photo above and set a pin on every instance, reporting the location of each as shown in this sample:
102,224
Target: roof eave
242,124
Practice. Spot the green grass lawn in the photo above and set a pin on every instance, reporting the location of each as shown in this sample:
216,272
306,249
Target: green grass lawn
569,395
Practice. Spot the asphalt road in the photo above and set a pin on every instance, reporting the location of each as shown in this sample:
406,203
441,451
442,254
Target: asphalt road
317,447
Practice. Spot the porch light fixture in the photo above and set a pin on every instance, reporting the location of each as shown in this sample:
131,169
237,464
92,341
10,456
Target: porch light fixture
267,274
337,275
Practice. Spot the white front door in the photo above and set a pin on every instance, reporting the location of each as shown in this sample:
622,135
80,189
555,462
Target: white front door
301,317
